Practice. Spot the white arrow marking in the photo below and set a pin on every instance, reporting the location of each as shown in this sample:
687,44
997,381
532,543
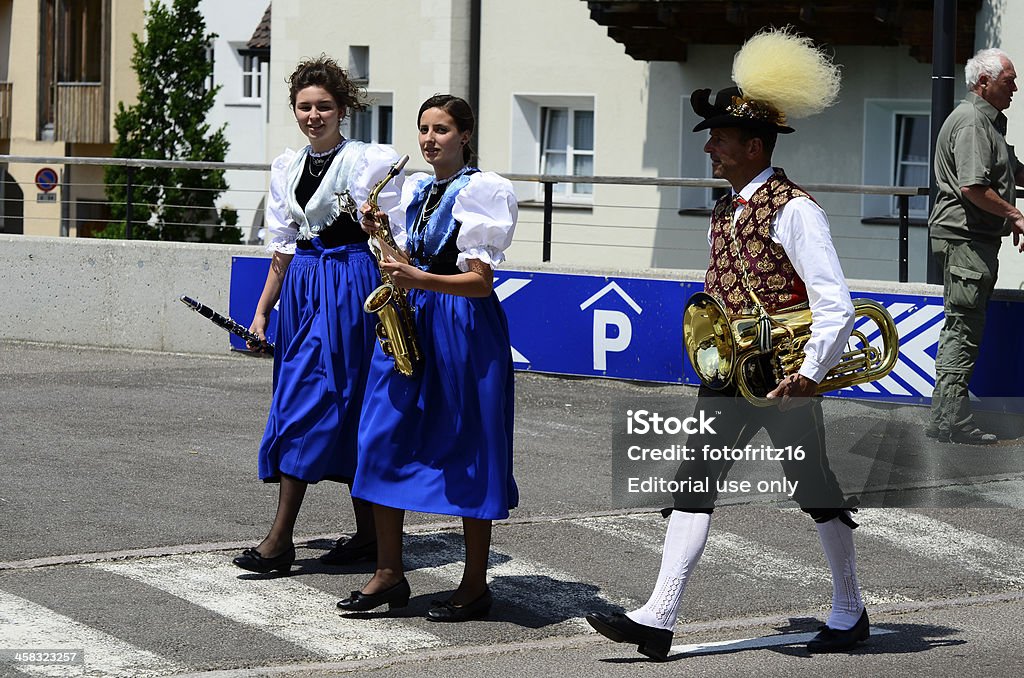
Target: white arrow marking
505,290
612,287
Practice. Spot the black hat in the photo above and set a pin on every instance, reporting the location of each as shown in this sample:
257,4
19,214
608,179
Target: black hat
731,109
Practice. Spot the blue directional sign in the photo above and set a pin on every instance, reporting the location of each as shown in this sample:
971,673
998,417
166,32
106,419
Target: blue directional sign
631,328
248,274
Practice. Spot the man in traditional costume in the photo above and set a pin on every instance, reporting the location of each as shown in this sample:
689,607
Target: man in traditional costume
770,250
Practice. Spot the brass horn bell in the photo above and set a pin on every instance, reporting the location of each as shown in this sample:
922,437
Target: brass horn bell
726,350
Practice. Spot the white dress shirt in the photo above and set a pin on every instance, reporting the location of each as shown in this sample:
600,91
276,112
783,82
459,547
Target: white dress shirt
801,227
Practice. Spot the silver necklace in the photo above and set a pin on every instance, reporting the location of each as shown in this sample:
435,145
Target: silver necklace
439,187
320,161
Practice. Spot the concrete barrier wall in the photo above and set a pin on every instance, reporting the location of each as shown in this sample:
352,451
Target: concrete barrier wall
124,294
114,293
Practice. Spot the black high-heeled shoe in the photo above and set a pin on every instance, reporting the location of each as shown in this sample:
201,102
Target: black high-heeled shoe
252,561
396,596
446,611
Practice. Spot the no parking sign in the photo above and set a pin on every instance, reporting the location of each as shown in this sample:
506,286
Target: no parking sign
46,181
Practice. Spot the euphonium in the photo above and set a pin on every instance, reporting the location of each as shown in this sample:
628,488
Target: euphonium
727,350
396,329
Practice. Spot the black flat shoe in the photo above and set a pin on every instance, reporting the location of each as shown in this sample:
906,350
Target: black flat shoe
973,437
650,641
446,611
833,640
343,554
252,561
396,596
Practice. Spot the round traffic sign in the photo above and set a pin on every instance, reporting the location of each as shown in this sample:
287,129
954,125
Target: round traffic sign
46,179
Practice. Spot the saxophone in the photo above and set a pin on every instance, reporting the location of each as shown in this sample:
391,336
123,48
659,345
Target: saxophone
396,330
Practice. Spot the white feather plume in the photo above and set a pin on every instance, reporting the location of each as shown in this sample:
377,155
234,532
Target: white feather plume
786,70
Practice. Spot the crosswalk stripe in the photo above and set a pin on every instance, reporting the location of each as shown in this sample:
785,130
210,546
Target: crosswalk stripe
925,536
529,584
730,550
780,640
281,606
28,625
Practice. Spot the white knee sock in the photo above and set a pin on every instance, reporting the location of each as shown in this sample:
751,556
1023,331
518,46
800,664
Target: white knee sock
685,538
837,541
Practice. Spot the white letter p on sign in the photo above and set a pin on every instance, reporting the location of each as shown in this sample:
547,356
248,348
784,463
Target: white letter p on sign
605,343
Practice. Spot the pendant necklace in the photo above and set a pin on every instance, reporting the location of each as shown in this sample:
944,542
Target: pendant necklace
437,191
320,161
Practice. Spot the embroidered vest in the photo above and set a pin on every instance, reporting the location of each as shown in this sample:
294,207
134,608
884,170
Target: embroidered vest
769,271
432,245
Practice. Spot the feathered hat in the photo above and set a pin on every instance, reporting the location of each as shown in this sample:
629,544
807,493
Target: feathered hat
780,75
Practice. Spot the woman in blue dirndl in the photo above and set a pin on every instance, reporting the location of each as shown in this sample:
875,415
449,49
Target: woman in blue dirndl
321,271
440,441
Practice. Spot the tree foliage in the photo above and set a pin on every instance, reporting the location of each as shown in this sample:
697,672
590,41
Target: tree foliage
169,123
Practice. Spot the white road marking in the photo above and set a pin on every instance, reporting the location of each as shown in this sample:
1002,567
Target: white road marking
938,540
548,592
27,625
722,646
748,557
281,606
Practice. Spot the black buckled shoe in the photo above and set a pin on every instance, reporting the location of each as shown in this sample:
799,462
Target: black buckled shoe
343,553
934,432
395,597
446,611
834,640
973,437
650,641
252,561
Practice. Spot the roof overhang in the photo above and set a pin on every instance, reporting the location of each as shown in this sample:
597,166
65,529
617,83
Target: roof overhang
662,30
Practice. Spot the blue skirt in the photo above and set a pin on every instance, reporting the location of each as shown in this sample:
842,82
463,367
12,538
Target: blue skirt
324,344
441,440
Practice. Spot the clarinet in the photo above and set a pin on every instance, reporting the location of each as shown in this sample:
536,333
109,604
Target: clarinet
226,323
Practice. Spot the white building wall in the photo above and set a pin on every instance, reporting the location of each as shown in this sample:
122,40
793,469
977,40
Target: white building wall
416,48
537,53
246,118
1000,24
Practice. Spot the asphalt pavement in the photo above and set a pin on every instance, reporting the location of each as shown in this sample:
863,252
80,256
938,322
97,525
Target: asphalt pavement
129,482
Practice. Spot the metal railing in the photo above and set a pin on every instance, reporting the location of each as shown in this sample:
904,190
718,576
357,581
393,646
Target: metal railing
548,224
903,194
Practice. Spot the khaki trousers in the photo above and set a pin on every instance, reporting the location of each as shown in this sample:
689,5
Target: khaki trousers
969,276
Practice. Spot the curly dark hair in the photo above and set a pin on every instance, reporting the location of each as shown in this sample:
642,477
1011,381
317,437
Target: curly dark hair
325,72
462,114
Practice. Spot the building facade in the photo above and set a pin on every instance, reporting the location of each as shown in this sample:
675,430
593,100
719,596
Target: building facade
62,101
556,94
66,64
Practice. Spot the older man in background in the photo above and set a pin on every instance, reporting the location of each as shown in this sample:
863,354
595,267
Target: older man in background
976,172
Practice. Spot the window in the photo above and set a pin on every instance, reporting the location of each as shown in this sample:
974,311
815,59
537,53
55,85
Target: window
252,76
910,161
553,134
375,124
359,63
568,147
896,153
71,48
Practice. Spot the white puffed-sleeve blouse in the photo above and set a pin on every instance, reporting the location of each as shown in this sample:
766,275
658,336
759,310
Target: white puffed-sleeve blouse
486,208
286,222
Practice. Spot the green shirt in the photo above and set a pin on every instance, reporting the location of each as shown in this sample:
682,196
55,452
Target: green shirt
972,150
